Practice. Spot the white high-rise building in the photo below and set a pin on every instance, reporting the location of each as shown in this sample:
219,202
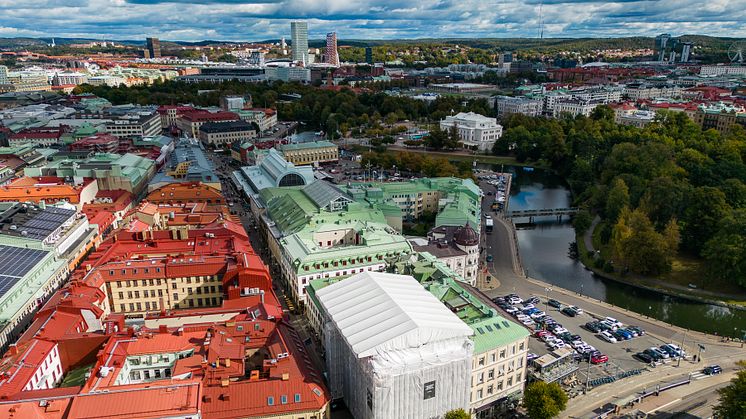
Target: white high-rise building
3,74
299,38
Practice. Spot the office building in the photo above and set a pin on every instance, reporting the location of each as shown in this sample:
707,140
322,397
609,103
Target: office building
477,132
128,172
3,74
662,45
190,122
369,55
226,133
686,51
232,103
154,47
720,116
722,70
456,247
393,349
299,38
456,202
507,105
265,118
331,56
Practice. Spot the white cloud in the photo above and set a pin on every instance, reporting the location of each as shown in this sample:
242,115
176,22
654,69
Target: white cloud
192,20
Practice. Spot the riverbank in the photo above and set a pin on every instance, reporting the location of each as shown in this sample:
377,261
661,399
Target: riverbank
460,156
651,284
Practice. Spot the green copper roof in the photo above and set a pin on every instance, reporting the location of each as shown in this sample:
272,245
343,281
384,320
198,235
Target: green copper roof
306,146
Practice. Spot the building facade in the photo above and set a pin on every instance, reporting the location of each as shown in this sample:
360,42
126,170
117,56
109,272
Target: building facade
315,152
331,56
226,133
477,132
299,38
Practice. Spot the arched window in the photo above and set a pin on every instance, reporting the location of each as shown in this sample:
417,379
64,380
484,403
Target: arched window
292,179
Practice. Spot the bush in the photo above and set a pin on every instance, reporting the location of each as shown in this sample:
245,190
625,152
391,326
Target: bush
599,263
608,267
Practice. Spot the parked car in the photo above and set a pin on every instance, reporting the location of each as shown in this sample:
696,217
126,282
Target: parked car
567,311
534,300
672,351
554,303
639,330
625,335
630,331
577,309
712,370
605,335
614,322
607,325
593,327
642,356
653,354
599,359
662,354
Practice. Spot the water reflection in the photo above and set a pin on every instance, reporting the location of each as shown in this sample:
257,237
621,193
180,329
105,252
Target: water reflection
544,250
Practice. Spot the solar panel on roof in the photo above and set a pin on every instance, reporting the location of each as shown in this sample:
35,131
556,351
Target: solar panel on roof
497,326
15,262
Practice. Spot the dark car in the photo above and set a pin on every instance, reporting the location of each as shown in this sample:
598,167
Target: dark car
533,300
642,356
651,353
569,312
712,370
593,327
554,303
637,329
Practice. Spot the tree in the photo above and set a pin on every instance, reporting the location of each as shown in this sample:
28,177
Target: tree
543,400
706,208
639,247
617,199
733,397
582,221
725,252
457,414
436,139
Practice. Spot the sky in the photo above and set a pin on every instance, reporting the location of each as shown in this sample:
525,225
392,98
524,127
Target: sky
255,20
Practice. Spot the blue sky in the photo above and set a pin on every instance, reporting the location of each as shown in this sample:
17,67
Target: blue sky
247,20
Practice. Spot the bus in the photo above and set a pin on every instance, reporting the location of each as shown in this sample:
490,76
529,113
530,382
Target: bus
488,224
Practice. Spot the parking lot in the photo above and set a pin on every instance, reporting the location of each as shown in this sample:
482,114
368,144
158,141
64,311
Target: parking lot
621,360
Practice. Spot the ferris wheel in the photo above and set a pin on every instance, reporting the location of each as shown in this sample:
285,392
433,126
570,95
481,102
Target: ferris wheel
736,51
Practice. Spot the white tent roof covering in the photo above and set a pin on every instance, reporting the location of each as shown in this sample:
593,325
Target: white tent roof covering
380,312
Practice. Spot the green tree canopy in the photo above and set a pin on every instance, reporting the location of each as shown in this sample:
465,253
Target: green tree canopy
733,397
544,400
457,414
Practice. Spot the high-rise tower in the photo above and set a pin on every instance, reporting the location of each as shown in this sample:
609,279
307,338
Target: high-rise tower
299,38
332,57
154,47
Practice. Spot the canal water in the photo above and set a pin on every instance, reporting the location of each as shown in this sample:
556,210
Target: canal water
545,255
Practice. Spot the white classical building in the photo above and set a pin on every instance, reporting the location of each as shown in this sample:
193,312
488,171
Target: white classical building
477,132
393,350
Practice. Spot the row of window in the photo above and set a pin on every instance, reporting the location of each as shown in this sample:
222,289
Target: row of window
492,388
503,353
512,366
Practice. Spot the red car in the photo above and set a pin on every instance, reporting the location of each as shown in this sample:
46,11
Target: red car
541,333
599,359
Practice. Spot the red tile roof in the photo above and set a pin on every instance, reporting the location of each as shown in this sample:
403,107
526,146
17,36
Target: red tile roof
160,400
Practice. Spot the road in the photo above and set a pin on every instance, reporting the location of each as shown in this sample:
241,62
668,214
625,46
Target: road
501,244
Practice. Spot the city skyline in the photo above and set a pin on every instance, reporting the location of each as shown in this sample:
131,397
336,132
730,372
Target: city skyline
231,20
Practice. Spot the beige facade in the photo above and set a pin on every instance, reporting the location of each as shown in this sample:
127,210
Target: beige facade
323,153
138,296
498,373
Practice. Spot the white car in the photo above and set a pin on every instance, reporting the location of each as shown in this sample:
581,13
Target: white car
528,306
609,324
560,330
515,300
614,322
607,337
538,314
511,310
577,309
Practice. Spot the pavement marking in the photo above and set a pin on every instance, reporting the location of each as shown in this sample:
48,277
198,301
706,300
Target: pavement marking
698,375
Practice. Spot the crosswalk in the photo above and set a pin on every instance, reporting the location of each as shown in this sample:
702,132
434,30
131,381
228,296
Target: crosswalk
698,375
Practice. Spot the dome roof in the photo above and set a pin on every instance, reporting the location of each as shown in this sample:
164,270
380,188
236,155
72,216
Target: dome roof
466,236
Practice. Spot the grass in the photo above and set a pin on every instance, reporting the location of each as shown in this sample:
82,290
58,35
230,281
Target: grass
76,377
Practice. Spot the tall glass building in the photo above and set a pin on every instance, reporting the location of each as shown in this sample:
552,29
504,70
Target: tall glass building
299,38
